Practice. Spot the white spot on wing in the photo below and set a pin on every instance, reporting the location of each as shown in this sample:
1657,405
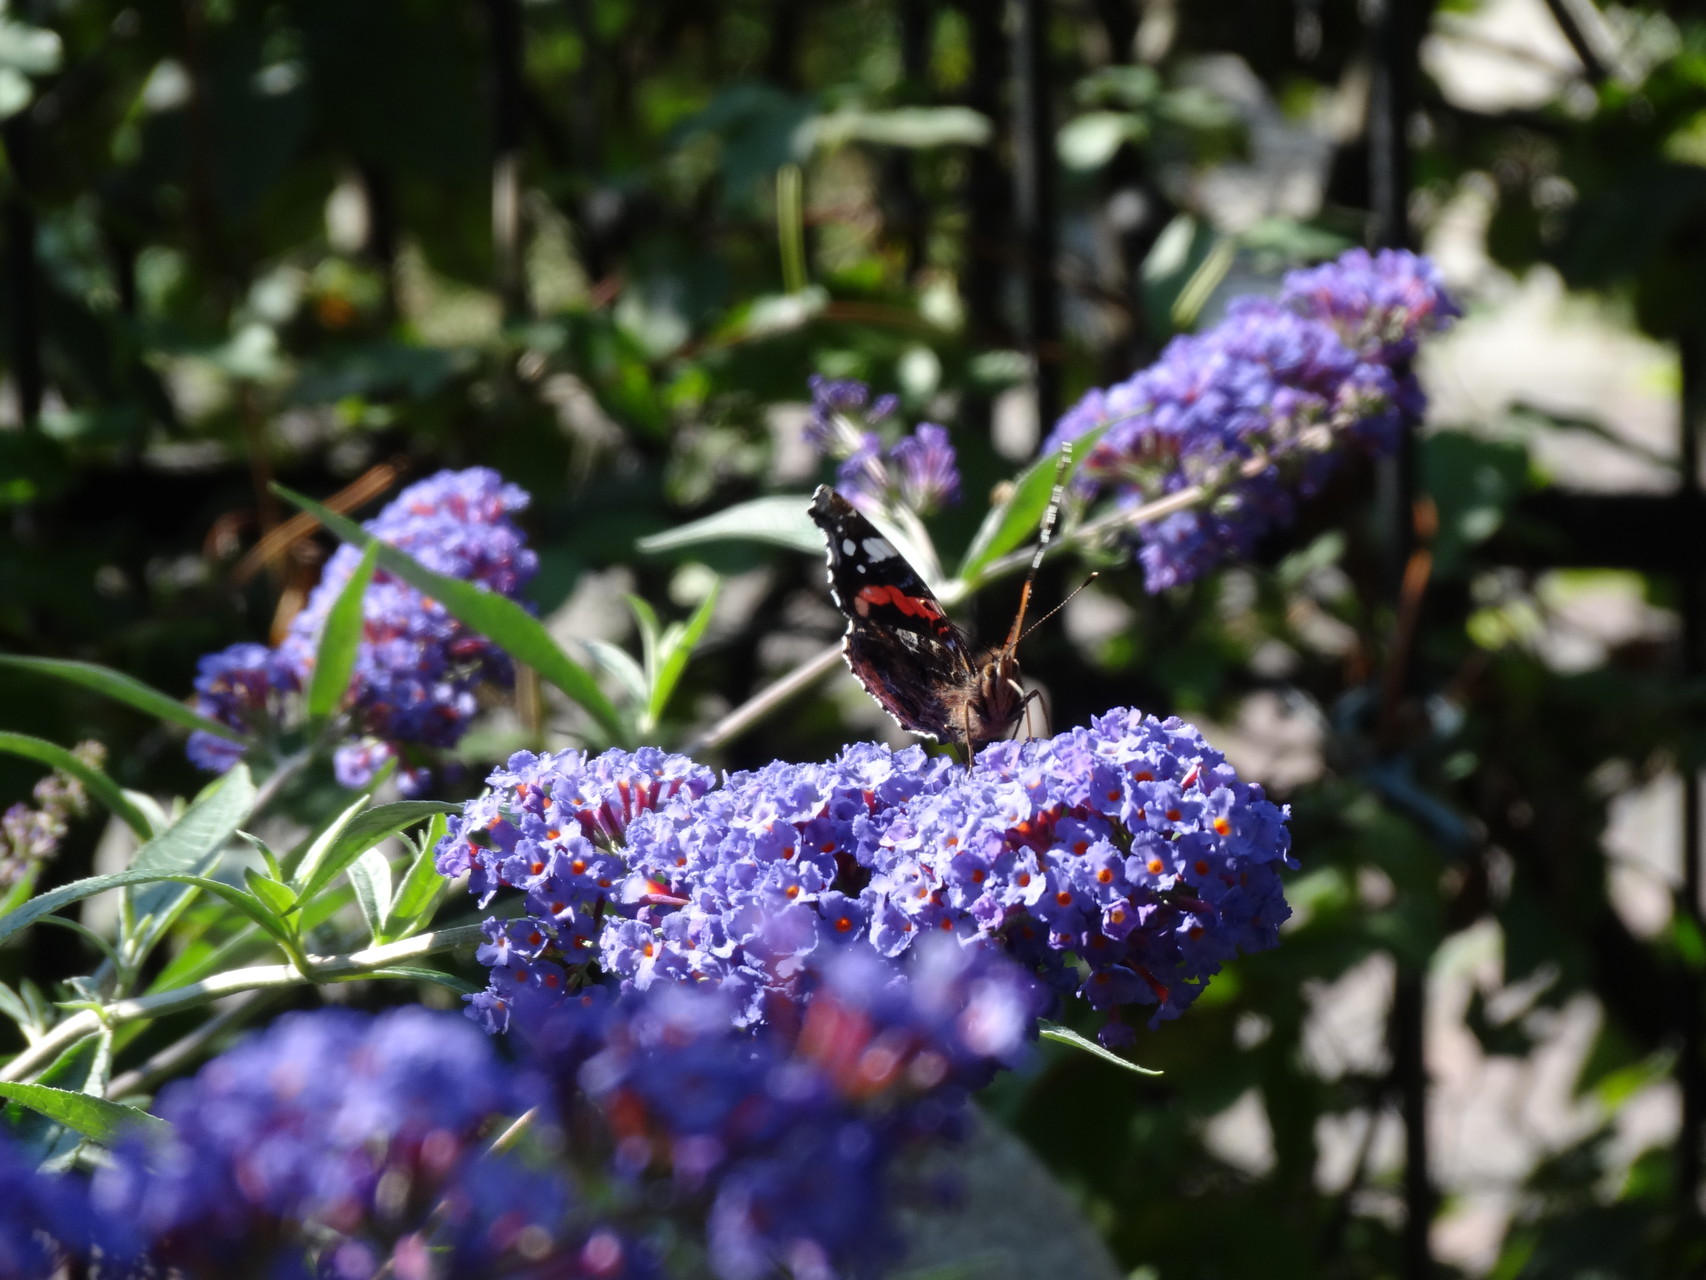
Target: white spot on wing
876,549
847,547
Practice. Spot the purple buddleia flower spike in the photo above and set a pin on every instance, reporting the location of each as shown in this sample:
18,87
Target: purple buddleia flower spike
30,834
245,687
918,471
417,668
1259,410
362,1139
1381,304
1129,848
929,476
47,1221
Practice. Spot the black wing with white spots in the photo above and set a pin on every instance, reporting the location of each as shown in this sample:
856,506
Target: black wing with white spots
899,642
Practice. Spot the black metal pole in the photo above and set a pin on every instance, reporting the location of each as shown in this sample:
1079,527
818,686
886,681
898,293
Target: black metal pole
1691,1020
1034,203
986,198
913,18
505,62
22,283
1394,49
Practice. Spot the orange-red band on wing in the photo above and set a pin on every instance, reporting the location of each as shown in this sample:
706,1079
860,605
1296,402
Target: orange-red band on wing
912,606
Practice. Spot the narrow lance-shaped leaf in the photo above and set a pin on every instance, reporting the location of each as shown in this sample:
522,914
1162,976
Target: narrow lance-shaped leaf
370,874
121,688
77,890
1066,1036
322,843
95,1118
497,617
779,520
340,639
280,898
1008,525
619,663
420,887
677,647
362,833
103,788
650,632
192,844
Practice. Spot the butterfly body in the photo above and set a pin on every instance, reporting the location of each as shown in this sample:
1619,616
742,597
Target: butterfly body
900,644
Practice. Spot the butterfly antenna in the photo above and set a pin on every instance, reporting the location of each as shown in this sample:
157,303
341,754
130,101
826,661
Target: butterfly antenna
1049,518
1068,600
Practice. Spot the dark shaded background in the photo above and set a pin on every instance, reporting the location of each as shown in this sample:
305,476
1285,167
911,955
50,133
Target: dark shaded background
249,241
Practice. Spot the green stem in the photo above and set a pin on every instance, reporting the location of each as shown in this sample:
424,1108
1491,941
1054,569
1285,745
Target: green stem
255,978
791,226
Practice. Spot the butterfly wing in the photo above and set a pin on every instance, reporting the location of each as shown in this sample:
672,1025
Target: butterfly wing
899,643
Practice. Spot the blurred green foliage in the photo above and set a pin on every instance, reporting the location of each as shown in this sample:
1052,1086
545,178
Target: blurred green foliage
249,241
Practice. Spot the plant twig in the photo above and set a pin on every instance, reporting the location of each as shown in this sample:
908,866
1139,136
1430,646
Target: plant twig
182,1050
767,699
255,978
1120,521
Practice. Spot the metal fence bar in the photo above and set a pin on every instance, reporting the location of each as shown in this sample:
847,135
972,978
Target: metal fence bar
1389,105
1034,201
1691,1019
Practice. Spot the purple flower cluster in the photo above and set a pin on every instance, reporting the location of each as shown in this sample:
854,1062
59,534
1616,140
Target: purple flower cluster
247,687
417,667
1129,848
47,1220
919,471
780,1139
335,1144
639,863
30,834
1258,409
1380,304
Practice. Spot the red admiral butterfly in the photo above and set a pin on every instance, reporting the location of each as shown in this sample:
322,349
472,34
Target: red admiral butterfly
918,665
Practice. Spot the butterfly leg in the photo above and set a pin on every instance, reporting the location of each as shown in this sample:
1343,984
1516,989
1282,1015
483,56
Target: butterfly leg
1036,696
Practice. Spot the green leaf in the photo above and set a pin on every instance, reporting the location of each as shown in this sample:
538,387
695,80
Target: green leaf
677,647
77,890
647,618
360,834
421,887
322,843
99,785
276,897
1089,141
414,974
13,1006
122,688
193,843
620,663
1066,1036
497,617
95,1118
370,874
267,855
780,520
1008,525
340,639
